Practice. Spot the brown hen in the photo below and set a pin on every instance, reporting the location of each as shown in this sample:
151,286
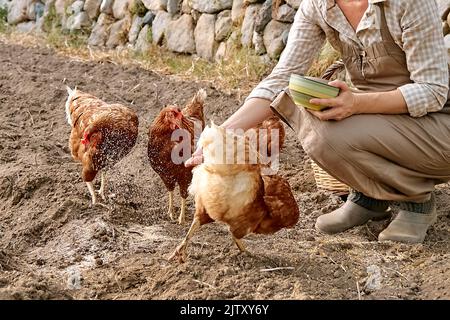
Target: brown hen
102,134
172,129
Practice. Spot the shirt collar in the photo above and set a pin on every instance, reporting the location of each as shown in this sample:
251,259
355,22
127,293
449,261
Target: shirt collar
331,3
336,19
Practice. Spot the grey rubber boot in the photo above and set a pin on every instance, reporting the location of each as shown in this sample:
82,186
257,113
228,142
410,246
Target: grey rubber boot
409,227
348,216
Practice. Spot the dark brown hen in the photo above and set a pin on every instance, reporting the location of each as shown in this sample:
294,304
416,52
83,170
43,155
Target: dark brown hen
165,151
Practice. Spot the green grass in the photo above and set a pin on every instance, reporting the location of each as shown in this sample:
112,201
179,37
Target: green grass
138,8
240,71
149,35
3,14
51,19
3,23
58,38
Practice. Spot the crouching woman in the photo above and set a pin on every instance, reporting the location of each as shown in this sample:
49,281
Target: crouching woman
389,137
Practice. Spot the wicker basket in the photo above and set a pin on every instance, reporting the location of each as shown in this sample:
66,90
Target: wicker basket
327,182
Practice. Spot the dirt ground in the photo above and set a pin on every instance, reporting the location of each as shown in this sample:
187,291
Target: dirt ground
54,245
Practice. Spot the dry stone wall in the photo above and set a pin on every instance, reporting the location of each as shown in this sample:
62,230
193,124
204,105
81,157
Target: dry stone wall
205,28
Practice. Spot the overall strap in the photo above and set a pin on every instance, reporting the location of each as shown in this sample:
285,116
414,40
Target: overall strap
385,33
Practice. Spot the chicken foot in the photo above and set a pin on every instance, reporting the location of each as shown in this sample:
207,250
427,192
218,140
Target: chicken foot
180,251
90,186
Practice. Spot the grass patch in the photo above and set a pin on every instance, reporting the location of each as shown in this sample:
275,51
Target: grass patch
149,35
138,8
3,17
51,20
60,40
239,73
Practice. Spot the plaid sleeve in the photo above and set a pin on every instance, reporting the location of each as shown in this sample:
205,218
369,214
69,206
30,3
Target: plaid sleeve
306,38
426,57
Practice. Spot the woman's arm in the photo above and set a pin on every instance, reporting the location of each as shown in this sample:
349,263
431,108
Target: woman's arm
253,112
426,58
427,62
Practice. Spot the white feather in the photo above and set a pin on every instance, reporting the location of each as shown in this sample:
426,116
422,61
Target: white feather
71,94
201,95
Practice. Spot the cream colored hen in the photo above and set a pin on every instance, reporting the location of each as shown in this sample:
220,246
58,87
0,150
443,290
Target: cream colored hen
237,193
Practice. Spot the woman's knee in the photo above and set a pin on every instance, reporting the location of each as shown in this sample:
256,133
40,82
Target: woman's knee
325,136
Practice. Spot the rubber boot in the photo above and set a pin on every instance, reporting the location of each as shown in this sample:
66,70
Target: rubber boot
348,216
409,227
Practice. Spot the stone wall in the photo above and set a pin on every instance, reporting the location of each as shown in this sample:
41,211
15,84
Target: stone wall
206,28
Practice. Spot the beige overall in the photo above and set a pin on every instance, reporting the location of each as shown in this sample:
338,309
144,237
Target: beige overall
386,157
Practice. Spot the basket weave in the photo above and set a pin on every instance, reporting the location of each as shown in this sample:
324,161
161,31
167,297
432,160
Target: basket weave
323,179
327,182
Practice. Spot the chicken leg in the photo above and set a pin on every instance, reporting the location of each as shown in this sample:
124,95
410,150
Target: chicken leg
90,186
101,191
182,217
180,251
171,211
239,244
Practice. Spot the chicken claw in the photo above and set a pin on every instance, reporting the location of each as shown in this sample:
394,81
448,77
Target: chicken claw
90,186
179,254
180,251
102,205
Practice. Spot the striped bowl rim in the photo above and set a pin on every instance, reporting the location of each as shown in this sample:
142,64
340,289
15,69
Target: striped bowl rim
314,87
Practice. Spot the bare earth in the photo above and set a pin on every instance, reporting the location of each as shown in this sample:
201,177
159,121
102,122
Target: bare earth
54,245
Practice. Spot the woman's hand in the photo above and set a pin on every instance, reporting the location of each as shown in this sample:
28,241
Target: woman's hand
341,107
195,159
